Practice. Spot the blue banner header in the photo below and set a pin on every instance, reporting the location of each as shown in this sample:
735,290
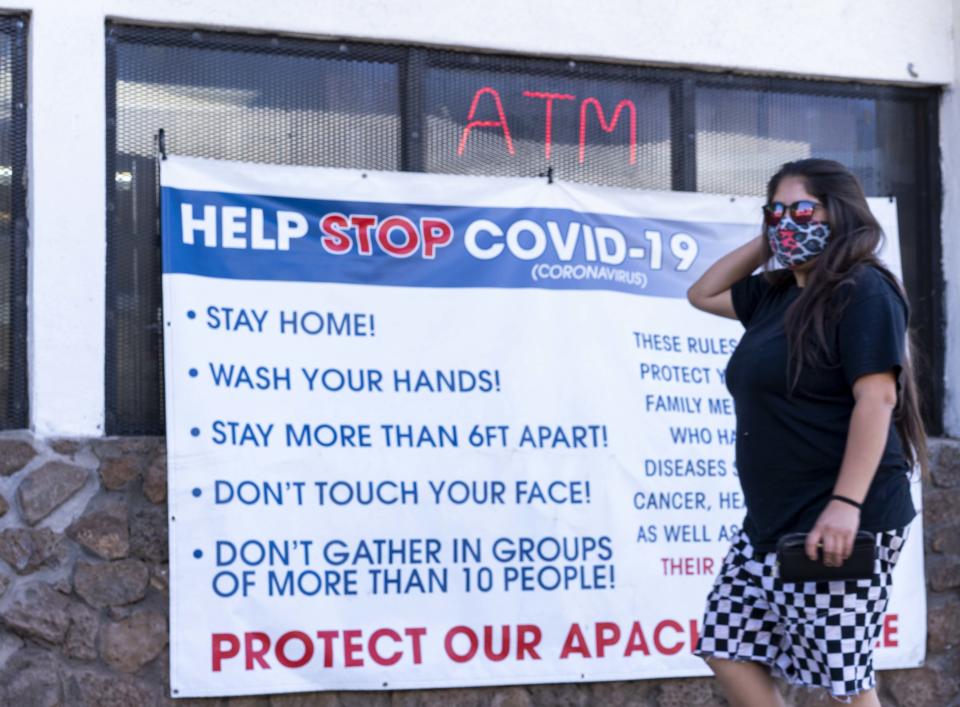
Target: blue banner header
252,237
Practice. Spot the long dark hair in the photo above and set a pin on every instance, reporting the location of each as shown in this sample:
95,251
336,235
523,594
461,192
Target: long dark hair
855,236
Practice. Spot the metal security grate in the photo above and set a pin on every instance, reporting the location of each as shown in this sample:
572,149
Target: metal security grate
13,222
275,99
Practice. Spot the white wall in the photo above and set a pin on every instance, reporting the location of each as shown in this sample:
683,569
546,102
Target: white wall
849,39
950,150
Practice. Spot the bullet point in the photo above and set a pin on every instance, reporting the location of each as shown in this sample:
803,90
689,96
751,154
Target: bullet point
198,554
195,431
193,372
191,314
196,493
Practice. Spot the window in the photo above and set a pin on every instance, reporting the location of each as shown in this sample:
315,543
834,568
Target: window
275,99
13,222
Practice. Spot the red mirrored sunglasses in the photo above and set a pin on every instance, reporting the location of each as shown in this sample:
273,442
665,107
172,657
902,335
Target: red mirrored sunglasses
800,211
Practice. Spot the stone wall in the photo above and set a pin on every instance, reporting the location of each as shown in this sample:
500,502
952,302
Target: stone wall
83,593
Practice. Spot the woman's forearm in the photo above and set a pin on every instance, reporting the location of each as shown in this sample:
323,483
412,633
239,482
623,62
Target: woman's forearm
866,441
734,266
866,438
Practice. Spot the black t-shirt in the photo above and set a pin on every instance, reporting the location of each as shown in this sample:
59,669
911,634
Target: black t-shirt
790,443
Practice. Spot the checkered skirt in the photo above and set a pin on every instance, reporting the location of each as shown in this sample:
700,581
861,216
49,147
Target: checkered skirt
818,634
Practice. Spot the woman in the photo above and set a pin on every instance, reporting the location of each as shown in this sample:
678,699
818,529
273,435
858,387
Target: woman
828,430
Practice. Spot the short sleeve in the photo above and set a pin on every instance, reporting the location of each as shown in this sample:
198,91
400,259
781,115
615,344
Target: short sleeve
872,334
746,295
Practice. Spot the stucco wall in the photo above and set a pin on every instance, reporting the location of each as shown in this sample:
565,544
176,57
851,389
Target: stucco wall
950,225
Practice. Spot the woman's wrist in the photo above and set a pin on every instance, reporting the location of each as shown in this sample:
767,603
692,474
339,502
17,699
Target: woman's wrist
847,500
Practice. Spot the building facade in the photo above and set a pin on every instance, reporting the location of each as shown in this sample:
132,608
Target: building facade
720,94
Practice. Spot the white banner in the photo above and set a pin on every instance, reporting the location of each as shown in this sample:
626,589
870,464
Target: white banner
431,431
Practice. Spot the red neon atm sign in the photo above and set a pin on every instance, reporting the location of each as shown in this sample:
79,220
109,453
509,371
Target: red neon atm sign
586,104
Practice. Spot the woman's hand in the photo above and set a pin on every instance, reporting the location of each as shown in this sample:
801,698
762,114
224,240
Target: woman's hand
836,528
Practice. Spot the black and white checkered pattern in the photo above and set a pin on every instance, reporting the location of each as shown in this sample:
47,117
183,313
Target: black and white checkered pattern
818,634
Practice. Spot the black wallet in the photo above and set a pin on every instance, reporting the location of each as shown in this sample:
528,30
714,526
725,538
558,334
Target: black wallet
795,566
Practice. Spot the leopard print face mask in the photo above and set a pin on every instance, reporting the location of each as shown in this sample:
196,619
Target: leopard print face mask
793,244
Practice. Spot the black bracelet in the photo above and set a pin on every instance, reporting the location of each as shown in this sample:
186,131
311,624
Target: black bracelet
853,503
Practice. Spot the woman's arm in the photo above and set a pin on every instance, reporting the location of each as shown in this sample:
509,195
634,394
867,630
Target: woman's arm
875,396
711,293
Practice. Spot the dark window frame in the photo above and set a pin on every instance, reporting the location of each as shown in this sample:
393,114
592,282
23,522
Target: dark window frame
15,409
414,61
